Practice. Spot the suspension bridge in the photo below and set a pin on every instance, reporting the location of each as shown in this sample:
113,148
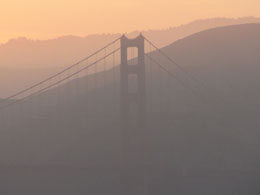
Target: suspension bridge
126,85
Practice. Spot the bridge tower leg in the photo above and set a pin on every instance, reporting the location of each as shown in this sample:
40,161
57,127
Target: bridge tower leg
133,119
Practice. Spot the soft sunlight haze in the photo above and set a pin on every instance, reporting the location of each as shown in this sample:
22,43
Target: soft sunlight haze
129,97
53,18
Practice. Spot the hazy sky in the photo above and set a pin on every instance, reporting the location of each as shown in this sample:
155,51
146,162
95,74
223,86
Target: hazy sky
42,19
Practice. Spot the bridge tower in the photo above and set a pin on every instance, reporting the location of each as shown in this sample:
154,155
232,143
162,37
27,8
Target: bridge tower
133,118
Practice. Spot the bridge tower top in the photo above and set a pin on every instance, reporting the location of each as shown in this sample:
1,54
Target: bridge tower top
137,97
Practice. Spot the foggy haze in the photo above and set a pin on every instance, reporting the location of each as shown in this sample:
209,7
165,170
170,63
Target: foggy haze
202,123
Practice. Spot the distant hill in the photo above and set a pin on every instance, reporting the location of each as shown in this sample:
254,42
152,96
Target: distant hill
195,149
226,58
32,60
26,53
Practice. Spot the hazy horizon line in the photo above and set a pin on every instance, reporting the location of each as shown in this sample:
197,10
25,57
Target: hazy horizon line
130,32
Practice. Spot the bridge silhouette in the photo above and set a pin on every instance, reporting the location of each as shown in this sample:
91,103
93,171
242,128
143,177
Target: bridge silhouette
121,75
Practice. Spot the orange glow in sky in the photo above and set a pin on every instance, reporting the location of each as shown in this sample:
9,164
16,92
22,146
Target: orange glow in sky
43,19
